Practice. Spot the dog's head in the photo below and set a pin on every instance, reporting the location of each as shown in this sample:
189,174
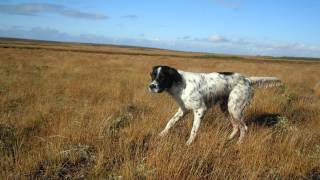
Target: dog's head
162,78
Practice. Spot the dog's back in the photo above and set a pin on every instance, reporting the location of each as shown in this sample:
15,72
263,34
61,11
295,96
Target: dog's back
209,88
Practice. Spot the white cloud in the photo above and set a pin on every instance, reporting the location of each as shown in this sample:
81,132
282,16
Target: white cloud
218,38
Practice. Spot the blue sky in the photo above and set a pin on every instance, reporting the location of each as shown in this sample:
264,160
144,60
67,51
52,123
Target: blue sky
253,27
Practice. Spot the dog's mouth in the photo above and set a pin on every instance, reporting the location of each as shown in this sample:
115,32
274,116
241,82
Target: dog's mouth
154,89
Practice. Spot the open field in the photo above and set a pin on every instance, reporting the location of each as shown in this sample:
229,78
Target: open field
74,111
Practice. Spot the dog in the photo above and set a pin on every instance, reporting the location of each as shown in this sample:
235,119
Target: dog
198,92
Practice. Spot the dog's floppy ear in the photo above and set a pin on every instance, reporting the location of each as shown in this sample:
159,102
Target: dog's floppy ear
154,68
174,74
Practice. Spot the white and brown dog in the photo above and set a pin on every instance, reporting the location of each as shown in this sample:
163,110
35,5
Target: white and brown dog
200,91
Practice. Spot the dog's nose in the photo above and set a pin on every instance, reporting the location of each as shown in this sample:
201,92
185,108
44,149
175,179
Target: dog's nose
152,86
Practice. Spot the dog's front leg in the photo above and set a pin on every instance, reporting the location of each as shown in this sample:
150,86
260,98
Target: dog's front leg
179,114
198,115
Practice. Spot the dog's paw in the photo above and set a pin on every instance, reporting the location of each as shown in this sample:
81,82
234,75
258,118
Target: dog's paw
240,141
189,142
163,133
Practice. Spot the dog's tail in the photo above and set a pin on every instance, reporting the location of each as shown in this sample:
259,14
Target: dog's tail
264,82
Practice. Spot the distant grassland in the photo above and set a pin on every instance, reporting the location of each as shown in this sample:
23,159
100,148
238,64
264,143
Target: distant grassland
133,50
83,111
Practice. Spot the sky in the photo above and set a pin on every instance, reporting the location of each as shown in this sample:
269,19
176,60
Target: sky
247,27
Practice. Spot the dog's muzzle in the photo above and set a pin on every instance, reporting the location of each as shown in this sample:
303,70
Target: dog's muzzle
153,88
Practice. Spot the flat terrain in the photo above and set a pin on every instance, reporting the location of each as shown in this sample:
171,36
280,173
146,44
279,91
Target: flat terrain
82,110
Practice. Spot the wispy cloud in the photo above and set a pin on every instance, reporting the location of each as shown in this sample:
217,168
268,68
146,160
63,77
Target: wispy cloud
130,16
186,37
223,44
31,9
214,43
216,38
43,33
275,45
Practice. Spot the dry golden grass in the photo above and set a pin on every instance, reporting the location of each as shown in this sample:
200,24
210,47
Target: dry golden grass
74,114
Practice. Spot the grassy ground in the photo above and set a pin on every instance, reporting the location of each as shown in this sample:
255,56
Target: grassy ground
74,112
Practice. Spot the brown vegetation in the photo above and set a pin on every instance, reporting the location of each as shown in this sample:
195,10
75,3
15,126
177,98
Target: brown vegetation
74,114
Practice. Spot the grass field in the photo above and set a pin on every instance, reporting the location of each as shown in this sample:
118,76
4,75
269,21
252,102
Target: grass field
84,111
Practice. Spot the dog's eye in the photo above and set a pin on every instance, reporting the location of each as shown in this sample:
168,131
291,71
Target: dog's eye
161,77
153,74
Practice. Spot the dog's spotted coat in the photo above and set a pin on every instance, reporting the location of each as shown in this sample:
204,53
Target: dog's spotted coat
200,91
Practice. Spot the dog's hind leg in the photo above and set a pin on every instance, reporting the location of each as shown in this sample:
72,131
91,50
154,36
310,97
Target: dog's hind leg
179,114
239,98
235,126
